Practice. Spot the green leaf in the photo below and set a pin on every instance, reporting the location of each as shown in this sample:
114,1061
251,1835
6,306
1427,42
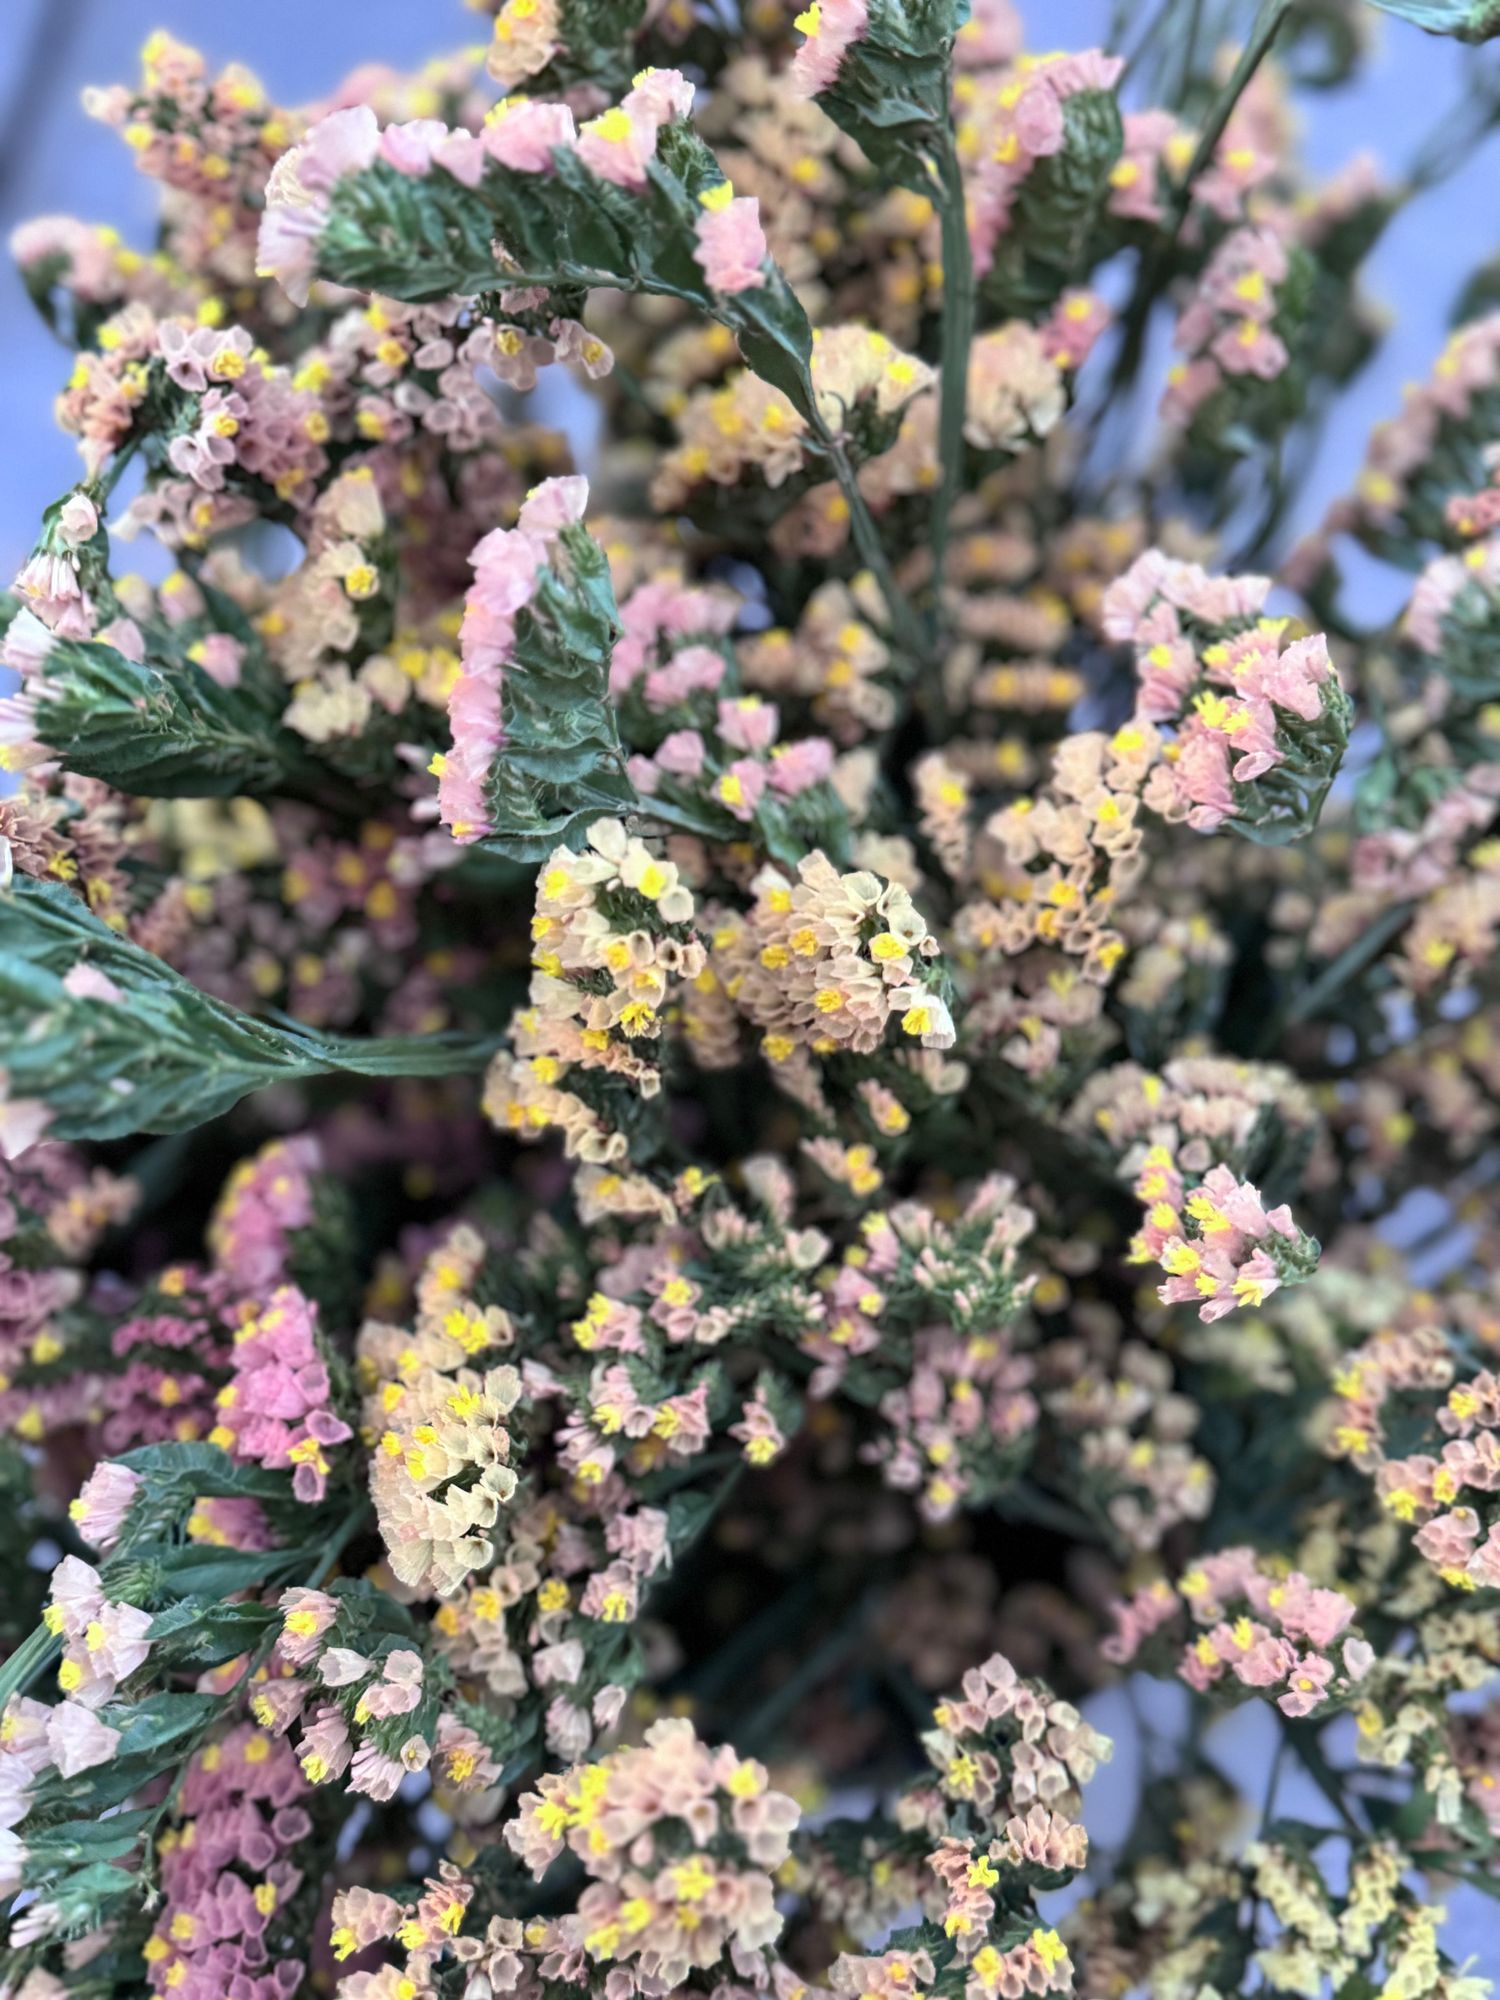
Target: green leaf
562,764
164,1055
431,237
177,1474
83,1842
161,1722
200,1571
1469,20
83,1898
891,91
207,1634
160,732
1049,241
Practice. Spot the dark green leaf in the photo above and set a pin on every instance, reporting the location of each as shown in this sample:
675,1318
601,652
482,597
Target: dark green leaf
163,1055
162,732
429,238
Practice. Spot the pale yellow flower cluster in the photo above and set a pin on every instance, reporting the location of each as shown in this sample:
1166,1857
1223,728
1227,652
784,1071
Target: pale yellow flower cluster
829,962
748,427
434,1409
611,940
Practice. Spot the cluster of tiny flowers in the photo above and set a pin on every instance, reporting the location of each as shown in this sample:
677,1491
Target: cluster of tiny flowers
1402,1387
275,1407
832,962
747,426
522,135
229,1872
1202,640
1261,1626
749,1055
1219,1245
440,1470
613,940
1229,328
506,567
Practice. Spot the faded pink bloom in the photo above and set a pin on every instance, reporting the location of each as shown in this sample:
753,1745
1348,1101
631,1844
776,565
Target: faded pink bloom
731,246
299,191
78,1740
103,1502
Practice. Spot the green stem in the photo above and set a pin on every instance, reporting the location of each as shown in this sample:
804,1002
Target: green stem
1190,51
1334,977
405,1055
767,1719
1263,32
905,626
26,1662
1273,1780
1441,1861
957,336
1309,1753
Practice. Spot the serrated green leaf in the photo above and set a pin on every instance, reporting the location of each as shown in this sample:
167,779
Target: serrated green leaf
161,733
430,238
1048,243
164,1055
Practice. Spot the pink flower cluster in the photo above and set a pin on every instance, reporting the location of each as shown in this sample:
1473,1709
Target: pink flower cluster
230,1875
1216,1244
1401,1381
679,1842
102,1504
1454,394
522,135
1260,1628
831,28
1017,122
174,1345
1439,587
275,1409
344,1701
507,565
1227,329
34,1737
731,245
103,1643
266,1198
1193,632
299,191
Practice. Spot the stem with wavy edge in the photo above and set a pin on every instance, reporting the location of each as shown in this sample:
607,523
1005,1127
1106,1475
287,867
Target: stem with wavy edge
906,628
957,335
1336,975
409,1055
